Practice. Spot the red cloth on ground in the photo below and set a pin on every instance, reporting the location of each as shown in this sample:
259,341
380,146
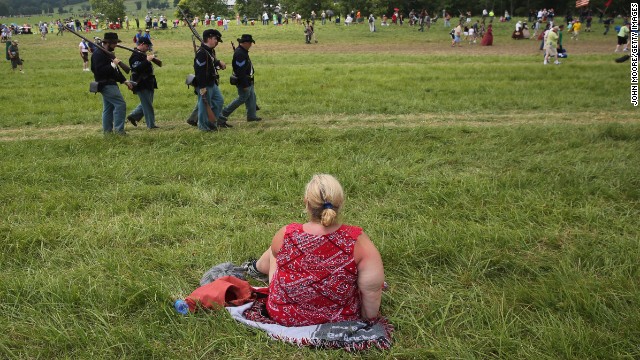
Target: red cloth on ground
225,291
316,278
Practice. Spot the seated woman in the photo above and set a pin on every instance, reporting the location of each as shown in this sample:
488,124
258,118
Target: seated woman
322,271
517,33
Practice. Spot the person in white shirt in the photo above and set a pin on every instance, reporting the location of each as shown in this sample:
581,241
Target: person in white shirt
43,31
84,54
348,20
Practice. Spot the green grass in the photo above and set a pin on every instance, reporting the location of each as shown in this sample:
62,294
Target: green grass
503,195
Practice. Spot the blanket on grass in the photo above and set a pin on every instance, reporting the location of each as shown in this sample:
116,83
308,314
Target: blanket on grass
347,335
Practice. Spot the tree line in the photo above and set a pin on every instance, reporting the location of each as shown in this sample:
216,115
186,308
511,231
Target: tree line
32,7
521,8
255,8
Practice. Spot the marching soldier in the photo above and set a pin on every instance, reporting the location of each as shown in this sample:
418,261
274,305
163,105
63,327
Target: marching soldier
206,67
106,73
243,70
144,84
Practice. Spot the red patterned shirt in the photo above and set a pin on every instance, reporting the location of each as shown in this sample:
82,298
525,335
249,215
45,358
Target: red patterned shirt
316,278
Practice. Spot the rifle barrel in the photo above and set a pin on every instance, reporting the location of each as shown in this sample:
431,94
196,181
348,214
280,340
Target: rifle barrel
155,60
193,31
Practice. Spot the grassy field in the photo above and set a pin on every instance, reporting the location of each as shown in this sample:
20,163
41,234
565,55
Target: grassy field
503,195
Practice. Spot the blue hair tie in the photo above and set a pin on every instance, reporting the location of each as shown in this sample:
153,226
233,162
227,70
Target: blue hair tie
327,205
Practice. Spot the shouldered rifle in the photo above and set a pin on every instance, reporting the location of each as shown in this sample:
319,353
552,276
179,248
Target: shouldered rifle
122,65
134,50
193,30
210,115
195,47
233,79
155,60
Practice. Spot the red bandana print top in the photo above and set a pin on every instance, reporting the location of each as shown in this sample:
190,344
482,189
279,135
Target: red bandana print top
316,278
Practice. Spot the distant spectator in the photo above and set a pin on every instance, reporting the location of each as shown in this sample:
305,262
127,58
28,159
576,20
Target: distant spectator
14,56
623,37
487,39
348,20
84,54
551,45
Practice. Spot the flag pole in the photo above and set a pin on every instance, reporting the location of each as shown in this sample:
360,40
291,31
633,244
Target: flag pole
606,6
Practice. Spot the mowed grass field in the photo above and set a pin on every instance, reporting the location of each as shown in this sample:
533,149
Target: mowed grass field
502,194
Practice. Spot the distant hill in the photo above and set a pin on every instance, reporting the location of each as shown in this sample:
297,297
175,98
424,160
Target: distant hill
77,7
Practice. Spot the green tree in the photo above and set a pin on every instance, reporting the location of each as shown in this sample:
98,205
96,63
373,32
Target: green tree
4,9
138,5
200,7
112,9
304,7
251,8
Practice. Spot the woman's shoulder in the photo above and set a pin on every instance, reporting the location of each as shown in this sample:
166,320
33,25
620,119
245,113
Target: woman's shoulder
353,231
291,227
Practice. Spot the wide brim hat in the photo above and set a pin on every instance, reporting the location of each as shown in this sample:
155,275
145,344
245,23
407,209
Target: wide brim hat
246,38
111,37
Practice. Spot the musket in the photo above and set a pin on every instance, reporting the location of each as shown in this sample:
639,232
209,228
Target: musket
210,115
193,30
111,55
195,47
155,60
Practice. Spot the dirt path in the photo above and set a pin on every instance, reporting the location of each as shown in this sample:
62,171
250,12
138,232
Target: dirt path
339,121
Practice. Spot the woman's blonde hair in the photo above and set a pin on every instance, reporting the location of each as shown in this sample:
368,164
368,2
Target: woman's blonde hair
324,199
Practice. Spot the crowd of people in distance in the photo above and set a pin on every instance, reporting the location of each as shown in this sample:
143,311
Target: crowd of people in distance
467,30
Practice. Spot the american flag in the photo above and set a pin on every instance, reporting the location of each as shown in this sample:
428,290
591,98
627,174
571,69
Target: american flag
581,3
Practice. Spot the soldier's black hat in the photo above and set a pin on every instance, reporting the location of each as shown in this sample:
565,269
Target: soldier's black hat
246,38
111,37
211,33
145,41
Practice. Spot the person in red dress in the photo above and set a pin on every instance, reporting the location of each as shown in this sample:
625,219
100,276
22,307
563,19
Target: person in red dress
487,39
322,271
